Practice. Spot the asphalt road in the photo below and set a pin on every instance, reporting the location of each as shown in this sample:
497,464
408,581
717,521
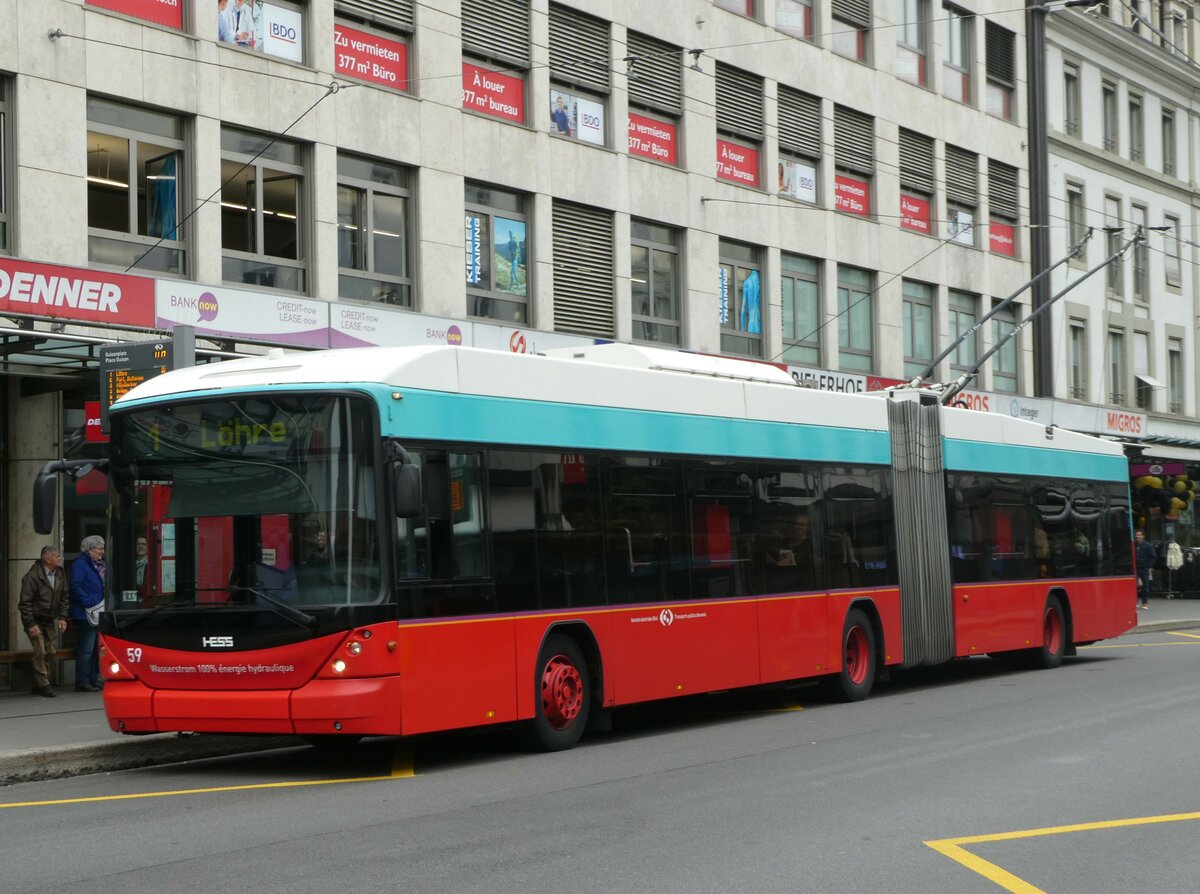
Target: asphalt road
764,792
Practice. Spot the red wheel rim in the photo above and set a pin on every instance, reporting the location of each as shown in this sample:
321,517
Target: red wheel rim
1052,631
858,656
562,692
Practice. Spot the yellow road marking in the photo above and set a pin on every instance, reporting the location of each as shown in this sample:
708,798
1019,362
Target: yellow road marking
952,847
1135,645
402,768
1181,633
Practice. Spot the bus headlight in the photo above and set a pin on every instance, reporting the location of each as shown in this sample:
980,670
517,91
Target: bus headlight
339,666
114,668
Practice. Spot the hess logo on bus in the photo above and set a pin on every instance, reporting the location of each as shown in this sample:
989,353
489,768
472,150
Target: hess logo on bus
217,642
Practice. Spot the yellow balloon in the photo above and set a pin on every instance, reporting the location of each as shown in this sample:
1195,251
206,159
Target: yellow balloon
1180,487
1139,483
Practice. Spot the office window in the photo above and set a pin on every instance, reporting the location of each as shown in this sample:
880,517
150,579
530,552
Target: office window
957,37
739,298
1079,356
962,195
1076,221
372,40
1004,205
1171,251
1168,141
134,172
1116,367
584,273
800,147
916,181
854,158
1005,360
741,7
373,231
856,319
911,40
1174,375
1071,99
795,17
274,29
579,85
1141,256
5,170
739,125
1001,65
964,313
495,58
654,282
1108,115
1114,238
263,211
655,98
1144,384
497,265
800,296
1136,128
851,28
918,327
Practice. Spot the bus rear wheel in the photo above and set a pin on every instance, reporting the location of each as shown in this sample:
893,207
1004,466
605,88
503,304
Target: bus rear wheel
563,696
1054,636
857,675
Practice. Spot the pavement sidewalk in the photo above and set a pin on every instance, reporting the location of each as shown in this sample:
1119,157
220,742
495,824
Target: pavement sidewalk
46,738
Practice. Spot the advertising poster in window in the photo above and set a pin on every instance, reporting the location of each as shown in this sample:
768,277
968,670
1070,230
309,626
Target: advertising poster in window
508,249
851,195
161,12
737,163
474,238
369,57
576,117
914,213
651,138
1002,238
960,227
723,296
798,181
492,93
263,27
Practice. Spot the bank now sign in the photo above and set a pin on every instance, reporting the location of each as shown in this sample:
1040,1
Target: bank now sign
69,293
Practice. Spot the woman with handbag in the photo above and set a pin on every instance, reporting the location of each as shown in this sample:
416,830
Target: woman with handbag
87,601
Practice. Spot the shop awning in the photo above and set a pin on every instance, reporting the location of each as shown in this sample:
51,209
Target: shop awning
1150,380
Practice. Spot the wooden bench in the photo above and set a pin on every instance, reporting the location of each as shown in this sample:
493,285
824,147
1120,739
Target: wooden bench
25,657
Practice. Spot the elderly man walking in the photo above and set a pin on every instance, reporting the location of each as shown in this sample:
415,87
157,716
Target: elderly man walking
43,608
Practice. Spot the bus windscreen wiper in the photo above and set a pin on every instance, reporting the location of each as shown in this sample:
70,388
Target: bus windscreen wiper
304,619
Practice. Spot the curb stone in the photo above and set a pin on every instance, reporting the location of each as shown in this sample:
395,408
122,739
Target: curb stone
36,764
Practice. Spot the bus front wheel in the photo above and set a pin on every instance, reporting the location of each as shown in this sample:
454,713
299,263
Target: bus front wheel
858,658
563,694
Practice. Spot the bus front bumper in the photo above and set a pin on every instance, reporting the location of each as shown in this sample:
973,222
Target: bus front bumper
366,706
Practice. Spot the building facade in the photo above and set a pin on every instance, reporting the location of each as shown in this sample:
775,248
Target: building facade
839,186
1123,117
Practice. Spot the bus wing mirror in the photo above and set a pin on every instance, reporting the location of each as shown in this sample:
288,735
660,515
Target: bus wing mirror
45,496
406,490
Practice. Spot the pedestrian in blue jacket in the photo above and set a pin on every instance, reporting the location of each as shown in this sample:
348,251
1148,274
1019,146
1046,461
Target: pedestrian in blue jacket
87,600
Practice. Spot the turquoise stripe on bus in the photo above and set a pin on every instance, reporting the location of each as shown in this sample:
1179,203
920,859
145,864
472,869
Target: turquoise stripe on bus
1008,459
445,416
495,420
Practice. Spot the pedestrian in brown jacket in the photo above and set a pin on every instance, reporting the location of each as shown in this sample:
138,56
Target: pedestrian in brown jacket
43,607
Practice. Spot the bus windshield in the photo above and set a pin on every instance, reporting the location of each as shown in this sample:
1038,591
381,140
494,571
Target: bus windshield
265,500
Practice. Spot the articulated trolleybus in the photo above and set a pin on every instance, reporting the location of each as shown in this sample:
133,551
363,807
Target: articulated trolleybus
395,541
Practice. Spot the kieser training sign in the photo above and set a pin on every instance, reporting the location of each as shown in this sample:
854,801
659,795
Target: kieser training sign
92,296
